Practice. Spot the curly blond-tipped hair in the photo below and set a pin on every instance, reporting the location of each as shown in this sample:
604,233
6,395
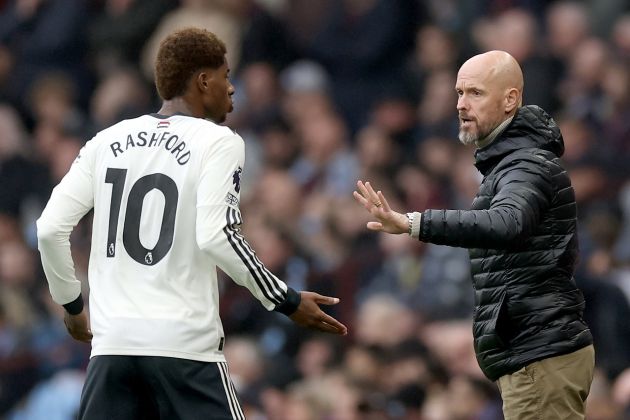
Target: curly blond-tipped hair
181,54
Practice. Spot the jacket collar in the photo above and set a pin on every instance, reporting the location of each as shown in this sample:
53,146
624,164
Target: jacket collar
531,127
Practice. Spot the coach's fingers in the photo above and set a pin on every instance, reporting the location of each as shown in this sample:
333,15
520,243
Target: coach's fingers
362,200
372,196
383,200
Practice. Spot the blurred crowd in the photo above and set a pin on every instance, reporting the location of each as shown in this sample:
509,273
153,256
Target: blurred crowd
327,92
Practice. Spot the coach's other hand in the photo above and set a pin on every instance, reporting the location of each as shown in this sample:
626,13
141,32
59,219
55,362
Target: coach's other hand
77,326
309,315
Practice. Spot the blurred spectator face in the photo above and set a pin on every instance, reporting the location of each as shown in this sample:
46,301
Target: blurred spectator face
577,139
438,101
405,371
16,265
12,134
260,84
394,115
305,84
589,181
314,357
381,320
516,30
621,36
299,106
271,247
616,83
471,401
279,196
65,153
348,219
279,147
46,138
621,389
52,99
600,404
588,62
436,154
452,343
9,229
362,365
417,187
322,138
435,50
567,25
245,360
121,94
6,63
465,177
375,149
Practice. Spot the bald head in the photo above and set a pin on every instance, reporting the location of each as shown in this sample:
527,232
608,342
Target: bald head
490,89
497,68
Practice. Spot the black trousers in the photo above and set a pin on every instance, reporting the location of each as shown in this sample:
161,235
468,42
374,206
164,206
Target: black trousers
157,388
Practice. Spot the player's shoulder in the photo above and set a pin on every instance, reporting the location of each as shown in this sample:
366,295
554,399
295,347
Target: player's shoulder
218,131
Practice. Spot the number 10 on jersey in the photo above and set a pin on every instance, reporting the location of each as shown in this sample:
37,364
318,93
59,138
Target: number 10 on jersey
133,214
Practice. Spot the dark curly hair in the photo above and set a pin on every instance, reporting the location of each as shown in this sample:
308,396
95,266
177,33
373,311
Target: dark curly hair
181,54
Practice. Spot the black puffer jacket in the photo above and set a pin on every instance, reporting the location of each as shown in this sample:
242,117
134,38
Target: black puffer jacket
521,234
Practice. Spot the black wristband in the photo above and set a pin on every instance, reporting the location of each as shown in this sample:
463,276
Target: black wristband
290,304
75,307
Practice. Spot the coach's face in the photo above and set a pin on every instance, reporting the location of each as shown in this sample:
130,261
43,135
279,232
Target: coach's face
489,87
217,93
479,103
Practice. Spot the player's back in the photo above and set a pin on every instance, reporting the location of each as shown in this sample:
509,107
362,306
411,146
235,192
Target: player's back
152,290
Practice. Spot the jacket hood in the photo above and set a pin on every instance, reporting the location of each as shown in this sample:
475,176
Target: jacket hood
531,127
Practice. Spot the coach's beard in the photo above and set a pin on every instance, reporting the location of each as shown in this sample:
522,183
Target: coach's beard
466,137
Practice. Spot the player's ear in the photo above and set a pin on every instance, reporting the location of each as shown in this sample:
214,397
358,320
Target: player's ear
202,80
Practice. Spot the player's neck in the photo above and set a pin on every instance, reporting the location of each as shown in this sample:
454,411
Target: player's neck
177,106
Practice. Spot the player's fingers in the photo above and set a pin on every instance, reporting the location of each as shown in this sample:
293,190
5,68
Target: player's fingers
326,300
332,321
332,326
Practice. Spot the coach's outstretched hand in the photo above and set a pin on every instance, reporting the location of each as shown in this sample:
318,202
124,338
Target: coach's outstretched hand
78,326
310,315
388,220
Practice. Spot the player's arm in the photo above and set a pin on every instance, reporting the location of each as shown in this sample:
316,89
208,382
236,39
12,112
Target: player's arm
219,233
71,199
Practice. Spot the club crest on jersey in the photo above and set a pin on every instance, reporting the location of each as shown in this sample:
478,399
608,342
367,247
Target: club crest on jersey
148,258
163,124
236,179
231,199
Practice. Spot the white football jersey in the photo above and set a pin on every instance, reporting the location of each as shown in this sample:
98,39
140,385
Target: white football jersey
165,193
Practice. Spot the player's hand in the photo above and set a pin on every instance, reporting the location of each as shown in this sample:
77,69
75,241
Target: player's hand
78,326
310,315
387,220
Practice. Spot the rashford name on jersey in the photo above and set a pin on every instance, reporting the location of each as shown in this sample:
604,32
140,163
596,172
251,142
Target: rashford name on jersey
170,142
